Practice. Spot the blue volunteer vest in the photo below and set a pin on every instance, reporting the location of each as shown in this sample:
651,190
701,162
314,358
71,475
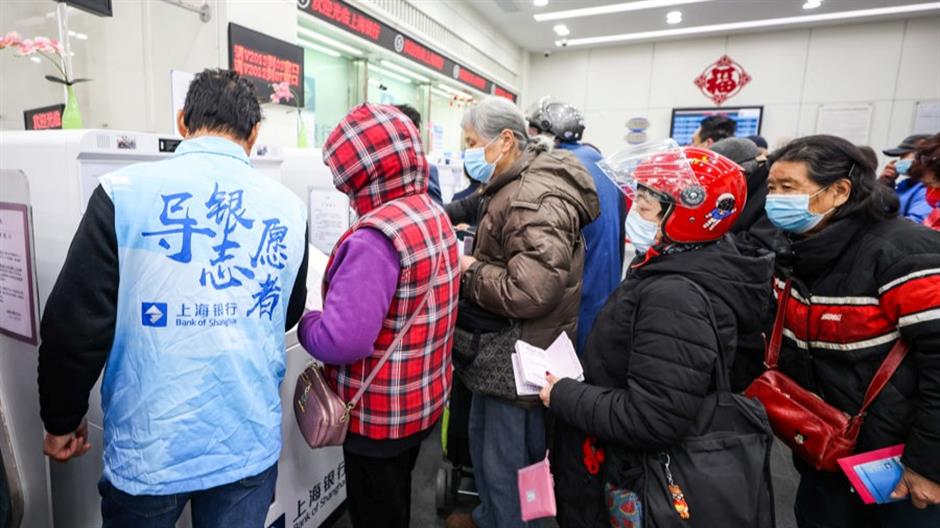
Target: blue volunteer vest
208,250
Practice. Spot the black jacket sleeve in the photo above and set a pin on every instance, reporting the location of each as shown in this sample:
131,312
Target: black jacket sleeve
77,327
671,372
298,295
464,211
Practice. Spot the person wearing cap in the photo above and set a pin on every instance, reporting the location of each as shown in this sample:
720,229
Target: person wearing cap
760,142
747,154
377,280
911,193
753,232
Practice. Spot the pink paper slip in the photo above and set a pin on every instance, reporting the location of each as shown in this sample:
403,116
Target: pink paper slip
536,491
875,474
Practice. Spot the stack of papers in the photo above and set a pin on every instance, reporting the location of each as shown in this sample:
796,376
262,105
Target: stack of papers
530,363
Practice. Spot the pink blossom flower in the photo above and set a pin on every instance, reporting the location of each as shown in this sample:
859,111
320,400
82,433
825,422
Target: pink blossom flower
281,92
25,47
10,39
47,45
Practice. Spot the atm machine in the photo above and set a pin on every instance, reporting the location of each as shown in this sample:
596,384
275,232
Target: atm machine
47,177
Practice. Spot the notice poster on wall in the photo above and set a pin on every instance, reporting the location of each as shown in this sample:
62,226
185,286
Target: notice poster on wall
17,293
329,218
850,122
927,118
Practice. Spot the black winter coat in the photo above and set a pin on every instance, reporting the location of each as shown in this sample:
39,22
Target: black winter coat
646,377
859,284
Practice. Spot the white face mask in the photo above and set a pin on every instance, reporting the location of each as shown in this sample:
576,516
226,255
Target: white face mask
641,232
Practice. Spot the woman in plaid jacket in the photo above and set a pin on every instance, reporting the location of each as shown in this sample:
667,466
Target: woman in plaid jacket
377,277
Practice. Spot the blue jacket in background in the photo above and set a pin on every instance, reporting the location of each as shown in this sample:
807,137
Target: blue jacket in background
434,185
604,238
913,197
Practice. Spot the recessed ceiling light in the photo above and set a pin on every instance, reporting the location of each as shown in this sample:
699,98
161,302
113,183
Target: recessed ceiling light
753,24
812,4
562,30
612,8
674,17
540,3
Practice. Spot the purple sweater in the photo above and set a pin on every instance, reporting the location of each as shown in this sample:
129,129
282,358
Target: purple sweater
362,282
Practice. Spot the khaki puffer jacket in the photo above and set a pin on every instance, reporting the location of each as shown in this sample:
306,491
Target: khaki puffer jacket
529,244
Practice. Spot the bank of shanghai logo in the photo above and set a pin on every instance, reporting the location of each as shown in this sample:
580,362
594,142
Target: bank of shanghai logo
153,314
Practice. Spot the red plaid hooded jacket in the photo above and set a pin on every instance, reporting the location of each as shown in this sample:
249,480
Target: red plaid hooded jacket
376,158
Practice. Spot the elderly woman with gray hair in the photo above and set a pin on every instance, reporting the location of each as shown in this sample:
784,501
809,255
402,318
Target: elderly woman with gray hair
523,281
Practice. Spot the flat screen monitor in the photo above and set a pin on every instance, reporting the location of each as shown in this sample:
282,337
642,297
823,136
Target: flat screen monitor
685,121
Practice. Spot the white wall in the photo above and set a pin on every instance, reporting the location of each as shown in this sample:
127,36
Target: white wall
890,65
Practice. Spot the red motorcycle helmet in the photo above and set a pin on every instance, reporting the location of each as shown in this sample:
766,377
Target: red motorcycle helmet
704,192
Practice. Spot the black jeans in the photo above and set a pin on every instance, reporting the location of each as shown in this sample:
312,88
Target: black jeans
378,490
826,500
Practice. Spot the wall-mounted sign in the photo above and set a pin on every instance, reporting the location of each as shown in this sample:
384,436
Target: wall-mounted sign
722,80
17,292
266,60
95,7
45,118
355,21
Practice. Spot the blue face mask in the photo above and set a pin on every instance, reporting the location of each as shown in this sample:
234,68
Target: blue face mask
790,212
903,166
641,232
474,161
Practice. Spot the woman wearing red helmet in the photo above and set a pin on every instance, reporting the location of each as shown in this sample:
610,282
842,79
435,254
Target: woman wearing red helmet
652,357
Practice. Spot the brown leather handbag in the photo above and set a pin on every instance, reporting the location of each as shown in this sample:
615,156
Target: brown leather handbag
816,431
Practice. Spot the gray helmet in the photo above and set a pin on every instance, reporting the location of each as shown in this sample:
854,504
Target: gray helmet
535,115
565,122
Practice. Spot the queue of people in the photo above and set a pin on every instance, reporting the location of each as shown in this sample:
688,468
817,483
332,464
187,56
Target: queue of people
803,246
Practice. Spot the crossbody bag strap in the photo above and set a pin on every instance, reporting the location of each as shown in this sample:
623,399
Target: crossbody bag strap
884,373
772,354
404,330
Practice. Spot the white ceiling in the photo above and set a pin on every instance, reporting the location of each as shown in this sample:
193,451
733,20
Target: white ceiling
515,17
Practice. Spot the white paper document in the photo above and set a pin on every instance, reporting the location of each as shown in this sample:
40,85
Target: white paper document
560,359
523,388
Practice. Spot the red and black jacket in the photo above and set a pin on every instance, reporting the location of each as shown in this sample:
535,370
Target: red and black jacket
859,285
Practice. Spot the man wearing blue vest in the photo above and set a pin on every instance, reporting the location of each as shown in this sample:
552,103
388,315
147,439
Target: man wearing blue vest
604,237
182,278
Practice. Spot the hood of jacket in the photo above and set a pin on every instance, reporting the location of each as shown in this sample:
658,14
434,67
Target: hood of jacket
376,156
740,277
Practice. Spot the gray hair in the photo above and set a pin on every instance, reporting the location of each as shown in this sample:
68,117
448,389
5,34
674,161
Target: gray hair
492,115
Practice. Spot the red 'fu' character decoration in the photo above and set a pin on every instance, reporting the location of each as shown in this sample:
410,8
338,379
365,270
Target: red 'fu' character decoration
722,79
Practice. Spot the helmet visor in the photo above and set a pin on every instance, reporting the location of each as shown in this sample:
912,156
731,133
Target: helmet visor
661,167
